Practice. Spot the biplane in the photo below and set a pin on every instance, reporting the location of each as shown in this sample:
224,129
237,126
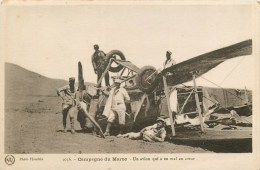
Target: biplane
155,93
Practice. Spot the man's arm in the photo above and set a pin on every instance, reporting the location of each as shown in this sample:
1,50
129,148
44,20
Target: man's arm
126,96
161,138
147,128
103,55
106,92
64,88
158,139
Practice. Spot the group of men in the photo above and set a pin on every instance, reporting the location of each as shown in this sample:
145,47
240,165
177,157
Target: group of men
115,106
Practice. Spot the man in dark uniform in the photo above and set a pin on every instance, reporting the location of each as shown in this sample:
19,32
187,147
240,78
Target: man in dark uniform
100,63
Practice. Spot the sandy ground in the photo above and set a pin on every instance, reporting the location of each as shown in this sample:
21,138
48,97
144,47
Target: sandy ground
34,125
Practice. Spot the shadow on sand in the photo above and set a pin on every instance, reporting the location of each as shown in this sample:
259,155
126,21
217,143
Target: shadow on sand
220,146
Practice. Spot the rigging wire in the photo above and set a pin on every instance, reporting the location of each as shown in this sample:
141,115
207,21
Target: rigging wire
208,98
233,69
212,101
221,87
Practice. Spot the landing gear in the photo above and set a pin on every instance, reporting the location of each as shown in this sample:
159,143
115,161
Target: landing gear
147,79
117,55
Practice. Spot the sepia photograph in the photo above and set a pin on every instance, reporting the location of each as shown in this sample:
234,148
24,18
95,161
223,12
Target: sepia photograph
128,78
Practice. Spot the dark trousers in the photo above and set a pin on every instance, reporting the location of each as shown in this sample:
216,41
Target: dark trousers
106,79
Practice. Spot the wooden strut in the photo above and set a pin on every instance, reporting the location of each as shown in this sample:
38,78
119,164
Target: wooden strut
246,97
147,106
186,101
197,102
166,91
92,119
82,104
106,70
140,106
103,74
122,72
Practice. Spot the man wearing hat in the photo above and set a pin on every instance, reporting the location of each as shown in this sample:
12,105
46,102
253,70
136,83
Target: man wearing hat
100,63
68,95
169,61
115,106
154,133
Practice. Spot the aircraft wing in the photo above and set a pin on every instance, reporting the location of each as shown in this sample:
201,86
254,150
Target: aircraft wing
182,72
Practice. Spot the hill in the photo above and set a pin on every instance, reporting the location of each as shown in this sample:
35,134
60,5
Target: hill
20,82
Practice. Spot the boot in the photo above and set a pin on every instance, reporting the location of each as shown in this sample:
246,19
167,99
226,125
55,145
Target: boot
107,133
72,125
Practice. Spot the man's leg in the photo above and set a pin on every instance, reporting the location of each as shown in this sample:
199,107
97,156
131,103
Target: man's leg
121,119
107,79
64,117
99,74
107,132
131,135
99,85
71,115
110,120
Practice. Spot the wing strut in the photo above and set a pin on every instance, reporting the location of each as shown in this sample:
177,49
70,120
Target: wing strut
197,102
168,105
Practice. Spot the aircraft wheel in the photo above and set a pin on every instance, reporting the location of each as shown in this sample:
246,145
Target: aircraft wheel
145,79
116,54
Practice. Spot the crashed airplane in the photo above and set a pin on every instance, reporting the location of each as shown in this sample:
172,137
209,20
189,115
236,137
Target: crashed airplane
156,93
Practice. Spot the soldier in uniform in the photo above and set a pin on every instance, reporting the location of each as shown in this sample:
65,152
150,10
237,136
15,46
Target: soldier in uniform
154,133
68,95
100,63
115,107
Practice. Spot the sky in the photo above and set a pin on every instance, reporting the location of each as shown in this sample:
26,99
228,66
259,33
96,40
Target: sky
50,40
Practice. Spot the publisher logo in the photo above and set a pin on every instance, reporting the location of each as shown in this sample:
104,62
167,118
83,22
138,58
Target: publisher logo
9,159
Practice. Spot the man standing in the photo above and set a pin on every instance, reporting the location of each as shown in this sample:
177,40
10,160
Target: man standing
100,62
169,61
68,95
116,106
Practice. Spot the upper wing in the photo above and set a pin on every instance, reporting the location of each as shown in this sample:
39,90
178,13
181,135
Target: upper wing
182,72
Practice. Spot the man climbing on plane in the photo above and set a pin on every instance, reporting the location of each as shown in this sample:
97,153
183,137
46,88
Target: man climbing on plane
99,62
